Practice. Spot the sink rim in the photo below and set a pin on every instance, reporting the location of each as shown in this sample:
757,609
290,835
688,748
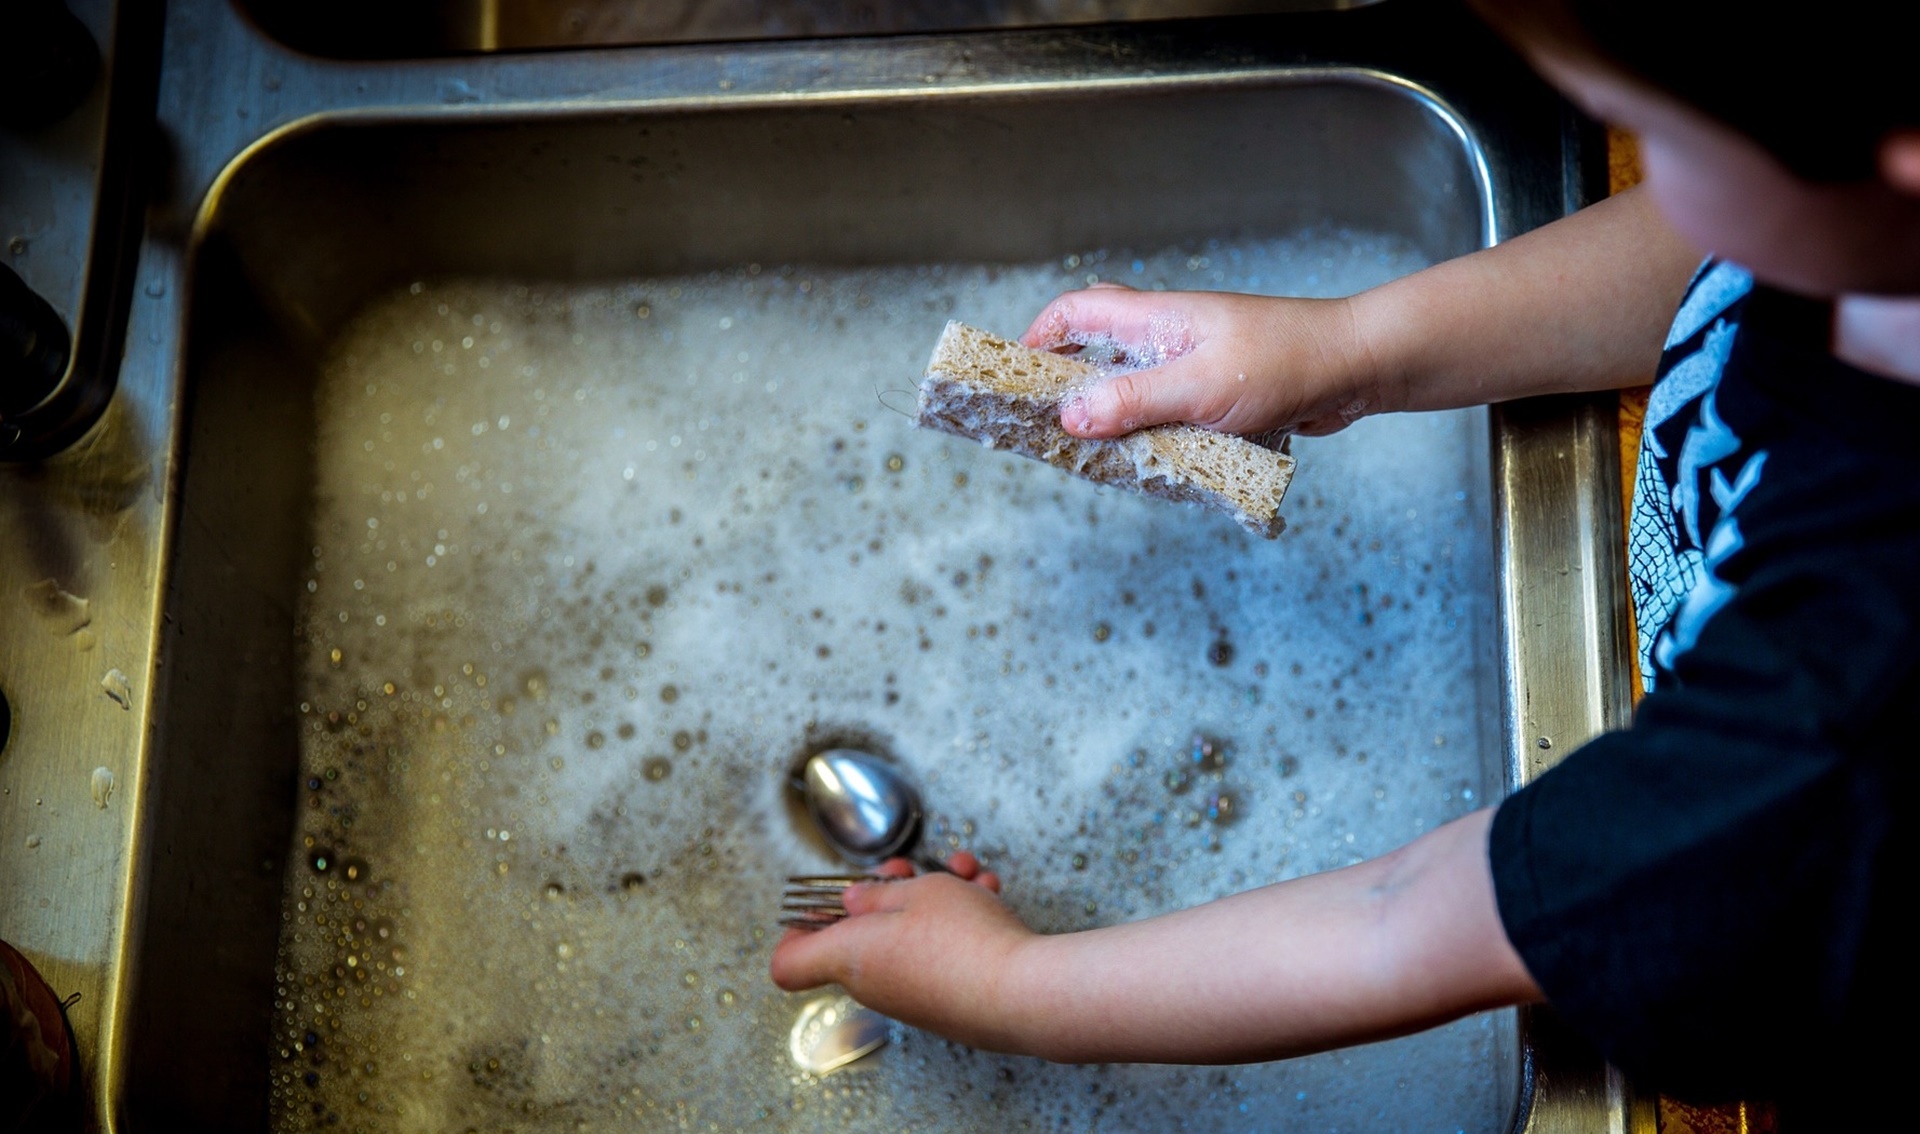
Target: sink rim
212,207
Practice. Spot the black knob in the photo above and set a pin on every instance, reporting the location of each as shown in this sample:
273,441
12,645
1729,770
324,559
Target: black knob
48,62
34,346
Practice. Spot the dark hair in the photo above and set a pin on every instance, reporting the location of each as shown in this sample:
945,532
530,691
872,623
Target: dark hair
1819,89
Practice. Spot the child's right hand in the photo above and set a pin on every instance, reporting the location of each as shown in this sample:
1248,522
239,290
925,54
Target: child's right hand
1237,363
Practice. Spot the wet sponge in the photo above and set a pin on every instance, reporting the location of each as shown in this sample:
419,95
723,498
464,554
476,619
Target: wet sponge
1007,396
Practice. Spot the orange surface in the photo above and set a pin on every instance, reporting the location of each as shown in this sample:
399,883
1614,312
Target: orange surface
1623,172
1675,1117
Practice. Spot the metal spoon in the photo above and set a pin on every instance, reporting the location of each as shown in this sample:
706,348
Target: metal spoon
865,808
834,1031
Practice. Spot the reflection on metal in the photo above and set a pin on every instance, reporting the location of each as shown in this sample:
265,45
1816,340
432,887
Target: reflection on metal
297,185
864,808
365,29
834,1031
70,198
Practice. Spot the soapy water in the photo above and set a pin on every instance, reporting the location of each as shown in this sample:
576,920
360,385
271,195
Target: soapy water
593,566
1168,335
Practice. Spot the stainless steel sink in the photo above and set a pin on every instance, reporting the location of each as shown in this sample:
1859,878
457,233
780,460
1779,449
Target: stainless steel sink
502,493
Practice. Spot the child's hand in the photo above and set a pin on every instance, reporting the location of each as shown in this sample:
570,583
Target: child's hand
929,951
1237,363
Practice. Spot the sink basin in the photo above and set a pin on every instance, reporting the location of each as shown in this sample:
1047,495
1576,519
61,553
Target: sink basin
547,492
551,579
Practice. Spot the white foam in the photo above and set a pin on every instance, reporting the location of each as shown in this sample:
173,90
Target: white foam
541,507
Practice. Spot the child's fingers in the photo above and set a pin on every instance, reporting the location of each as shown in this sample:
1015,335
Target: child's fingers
1123,403
967,865
874,897
805,958
1103,309
964,864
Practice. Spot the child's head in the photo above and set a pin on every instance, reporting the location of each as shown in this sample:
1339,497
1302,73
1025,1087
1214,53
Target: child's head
1790,145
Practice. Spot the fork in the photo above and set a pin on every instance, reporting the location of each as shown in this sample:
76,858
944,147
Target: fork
812,901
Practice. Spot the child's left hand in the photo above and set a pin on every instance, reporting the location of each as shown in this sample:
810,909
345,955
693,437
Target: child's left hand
930,951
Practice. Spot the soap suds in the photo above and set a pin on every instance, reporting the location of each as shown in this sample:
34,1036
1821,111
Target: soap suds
592,565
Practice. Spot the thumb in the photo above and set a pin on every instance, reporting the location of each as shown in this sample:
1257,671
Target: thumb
808,958
1137,399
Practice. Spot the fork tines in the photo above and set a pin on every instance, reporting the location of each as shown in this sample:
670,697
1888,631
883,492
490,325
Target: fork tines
812,901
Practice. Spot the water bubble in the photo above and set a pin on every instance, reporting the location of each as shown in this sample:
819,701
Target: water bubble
100,785
1209,755
115,686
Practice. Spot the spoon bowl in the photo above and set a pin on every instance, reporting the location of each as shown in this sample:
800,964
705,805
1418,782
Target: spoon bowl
866,808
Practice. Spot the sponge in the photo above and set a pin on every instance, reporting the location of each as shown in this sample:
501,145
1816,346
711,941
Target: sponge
1007,396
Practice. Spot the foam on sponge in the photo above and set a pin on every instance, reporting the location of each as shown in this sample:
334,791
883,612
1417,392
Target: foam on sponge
1007,396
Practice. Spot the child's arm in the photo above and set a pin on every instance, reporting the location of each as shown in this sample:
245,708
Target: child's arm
1580,304
1400,943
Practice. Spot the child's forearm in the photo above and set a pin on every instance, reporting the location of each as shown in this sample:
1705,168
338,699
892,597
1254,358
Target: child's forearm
1580,304
1387,947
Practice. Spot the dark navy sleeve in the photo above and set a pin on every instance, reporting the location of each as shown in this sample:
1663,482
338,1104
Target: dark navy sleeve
1709,895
